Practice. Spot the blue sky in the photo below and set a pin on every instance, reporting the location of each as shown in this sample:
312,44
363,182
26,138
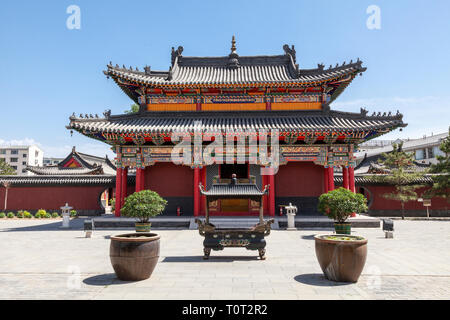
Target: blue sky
48,71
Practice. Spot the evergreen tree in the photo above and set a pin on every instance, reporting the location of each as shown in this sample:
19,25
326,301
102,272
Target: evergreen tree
5,169
441,171
398,167
133,108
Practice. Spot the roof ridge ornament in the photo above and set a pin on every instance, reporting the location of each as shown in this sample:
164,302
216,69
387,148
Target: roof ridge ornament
176,53
233,61
290,51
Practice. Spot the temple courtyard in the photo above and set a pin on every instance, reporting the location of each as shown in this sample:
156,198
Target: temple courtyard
38,260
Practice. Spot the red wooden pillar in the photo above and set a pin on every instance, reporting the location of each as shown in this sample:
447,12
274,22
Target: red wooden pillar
351,178
326,173
124,184
196,191
202,197
143,178
345,177
118,192
139,178
330,179
272,195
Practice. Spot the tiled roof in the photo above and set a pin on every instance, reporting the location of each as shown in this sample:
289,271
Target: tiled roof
89,165
56,170
369,180
103,180
165,122
236,190
235,70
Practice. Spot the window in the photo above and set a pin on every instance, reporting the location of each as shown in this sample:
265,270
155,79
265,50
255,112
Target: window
226,170
36,154
14,151
24,155
3,151
14,159
430,153
14,167
24,163
24,170
420,154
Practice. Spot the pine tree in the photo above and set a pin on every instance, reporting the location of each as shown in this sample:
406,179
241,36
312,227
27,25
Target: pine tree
133,108
398,166
441,172
5,169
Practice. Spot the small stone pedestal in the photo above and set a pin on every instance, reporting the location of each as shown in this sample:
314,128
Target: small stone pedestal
290,212
66,216
389,234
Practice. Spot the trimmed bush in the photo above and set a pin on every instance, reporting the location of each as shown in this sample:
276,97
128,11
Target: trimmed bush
73,213
19,214
11,215
340,203
143,205
2,215
27,215
55,215
40,214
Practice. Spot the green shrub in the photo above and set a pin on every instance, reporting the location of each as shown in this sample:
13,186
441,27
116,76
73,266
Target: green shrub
11,215
143,205
112,203
27,215
55,215
73,213
47,215
2,215
41,213
340,203
19,214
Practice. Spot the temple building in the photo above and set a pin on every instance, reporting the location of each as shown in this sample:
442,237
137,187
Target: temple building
237,94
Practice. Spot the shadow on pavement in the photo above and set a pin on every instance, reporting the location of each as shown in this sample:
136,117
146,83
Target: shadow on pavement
53,225
318,279
211,258
308,237
104,280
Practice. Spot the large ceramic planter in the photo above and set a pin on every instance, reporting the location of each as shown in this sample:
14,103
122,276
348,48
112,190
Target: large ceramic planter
341,260
134,255
142,226
343,228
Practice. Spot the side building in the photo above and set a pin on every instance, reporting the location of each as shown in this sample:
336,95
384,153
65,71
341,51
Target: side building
20,157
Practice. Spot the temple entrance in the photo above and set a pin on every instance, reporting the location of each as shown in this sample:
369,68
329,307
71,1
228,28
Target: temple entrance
237,206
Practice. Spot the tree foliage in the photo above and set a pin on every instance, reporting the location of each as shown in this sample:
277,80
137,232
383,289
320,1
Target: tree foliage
5,169
398,165
133,108
441,172
143,205
338,204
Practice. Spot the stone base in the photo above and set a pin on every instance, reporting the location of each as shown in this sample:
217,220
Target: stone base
389,234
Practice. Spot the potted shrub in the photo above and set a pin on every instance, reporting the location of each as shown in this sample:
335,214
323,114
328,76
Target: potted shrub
134,255
143,205
339,204
73,213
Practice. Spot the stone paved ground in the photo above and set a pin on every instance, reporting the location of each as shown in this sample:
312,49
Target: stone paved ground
40,261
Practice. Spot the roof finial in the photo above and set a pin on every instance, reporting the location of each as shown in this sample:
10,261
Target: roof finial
233,44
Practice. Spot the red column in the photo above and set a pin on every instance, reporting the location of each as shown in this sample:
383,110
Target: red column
196,191
351,178
124,184
272,195
330,178
138,179
143,170
203,198
118,192
345,177
326,180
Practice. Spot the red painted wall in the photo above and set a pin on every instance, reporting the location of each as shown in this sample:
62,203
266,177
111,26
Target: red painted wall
170,180
296,179
52,197
380,203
